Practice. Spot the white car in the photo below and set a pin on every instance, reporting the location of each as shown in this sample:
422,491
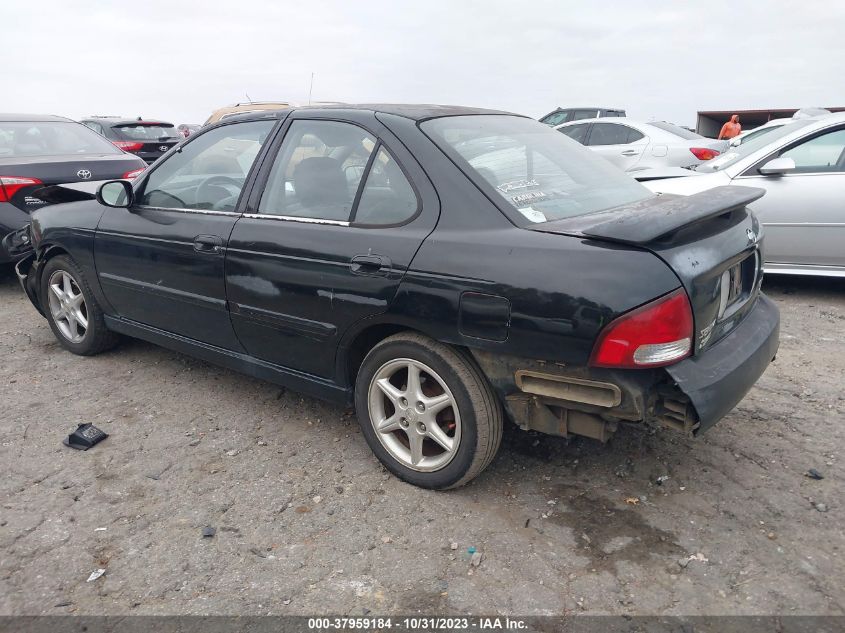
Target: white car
634,145
801,165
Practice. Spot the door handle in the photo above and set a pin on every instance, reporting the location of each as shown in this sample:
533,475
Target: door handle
630,152
370,265
208,244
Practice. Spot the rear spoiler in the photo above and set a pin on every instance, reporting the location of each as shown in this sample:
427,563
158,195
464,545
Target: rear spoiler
644,222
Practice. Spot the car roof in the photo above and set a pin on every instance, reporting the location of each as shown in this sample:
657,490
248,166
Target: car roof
31,118
415,112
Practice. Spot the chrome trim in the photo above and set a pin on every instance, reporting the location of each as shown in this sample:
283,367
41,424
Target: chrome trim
805,224
291,218
771,268
181,210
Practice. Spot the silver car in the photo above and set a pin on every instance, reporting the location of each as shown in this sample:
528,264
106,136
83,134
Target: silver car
633,145
801,166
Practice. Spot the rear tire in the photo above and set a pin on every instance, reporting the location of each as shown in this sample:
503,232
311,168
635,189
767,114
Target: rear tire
72,311
427,411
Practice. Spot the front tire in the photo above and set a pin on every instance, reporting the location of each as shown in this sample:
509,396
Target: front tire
72,311
427,412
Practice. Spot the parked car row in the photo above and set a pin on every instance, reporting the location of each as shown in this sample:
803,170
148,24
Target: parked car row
39,151
146,139
633,145
801,166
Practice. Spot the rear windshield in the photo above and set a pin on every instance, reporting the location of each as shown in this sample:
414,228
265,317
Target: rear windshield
145,132
541,174
50,138
675,129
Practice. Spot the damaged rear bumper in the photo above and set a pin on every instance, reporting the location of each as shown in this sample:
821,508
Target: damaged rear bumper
689,397
28,272
718,379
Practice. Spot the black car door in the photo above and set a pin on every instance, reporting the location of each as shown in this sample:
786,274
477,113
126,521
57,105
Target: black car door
160,262
337,214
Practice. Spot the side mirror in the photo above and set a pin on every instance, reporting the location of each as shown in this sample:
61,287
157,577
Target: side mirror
778,167
116,193
736,141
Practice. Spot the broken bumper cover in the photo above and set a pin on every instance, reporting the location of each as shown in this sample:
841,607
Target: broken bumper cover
27,270
719,378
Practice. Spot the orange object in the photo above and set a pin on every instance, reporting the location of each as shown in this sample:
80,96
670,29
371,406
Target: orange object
731,128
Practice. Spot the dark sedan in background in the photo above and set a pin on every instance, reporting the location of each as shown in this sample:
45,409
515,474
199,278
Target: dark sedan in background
38,151
443,268
147,139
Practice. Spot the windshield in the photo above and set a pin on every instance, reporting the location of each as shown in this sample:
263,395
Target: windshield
755,133
746,149
145,131
675,129
536,171
51,138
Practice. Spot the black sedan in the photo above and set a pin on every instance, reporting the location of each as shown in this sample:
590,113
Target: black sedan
443,268
147,139
38,151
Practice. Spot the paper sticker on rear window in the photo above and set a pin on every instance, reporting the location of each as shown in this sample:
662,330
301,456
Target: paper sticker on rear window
517,184
532,214
528,198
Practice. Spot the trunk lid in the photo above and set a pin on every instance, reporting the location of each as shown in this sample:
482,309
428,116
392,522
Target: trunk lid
55,170
710,240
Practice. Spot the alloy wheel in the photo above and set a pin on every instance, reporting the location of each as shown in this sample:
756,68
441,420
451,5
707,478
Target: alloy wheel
414,414
67,306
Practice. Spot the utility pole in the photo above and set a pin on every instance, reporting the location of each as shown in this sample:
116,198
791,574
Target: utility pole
310,88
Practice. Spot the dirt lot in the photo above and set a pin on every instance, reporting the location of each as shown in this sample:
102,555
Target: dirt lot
308,522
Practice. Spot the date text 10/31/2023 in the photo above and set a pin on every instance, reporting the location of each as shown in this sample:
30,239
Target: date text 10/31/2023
417,623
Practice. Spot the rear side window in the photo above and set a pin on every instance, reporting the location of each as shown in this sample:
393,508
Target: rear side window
576,132
532,168
613,134
317,171
51,138
322,169
145,132
387,197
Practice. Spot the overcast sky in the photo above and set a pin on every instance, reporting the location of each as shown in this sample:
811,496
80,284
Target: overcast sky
178,60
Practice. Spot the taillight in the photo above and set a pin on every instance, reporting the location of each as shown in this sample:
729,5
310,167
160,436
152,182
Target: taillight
10,185
704,153
658,333
128,146
134,173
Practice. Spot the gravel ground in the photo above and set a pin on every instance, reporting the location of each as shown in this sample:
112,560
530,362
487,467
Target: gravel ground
307,521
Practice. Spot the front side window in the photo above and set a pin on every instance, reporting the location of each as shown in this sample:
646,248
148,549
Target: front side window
612,134
532,167
576,132
824,153
208,172
317,171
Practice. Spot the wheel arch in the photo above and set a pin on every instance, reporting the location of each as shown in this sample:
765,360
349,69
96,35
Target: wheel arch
358,342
